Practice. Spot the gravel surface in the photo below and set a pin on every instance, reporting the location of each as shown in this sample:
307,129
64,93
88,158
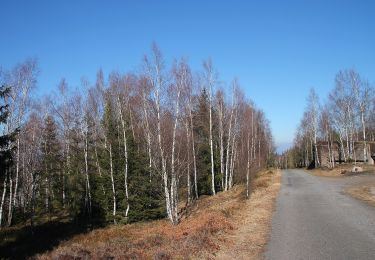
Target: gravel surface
316,219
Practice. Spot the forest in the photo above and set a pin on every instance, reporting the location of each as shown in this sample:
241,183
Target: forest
345,119
130,147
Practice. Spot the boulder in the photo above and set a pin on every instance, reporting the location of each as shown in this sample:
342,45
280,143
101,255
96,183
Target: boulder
357,169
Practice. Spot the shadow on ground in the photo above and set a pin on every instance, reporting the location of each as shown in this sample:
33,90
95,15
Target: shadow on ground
25,242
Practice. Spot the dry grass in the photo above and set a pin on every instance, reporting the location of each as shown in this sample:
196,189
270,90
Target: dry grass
253,222
364,192
213,227
339,170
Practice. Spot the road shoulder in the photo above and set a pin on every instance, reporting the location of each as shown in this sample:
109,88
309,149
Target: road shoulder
364,192
253,223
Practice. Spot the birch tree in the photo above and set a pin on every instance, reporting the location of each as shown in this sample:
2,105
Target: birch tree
210,78
313,114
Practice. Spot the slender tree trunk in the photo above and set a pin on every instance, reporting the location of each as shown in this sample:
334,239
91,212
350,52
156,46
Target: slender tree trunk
3,197
233,159
126,158
316,151
163,159
248,166
364,137
32,201
342,148
212,147
188,162
148,135
131,123
228,150
113,183
10,204
98,166
347,143
193,147
233,153
174,202
17,174
329,150
259,153
221,140
88,189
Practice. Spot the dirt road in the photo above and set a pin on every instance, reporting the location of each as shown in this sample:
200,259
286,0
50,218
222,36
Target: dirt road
315,219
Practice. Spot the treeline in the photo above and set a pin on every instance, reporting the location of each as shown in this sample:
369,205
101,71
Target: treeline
129,147
346,118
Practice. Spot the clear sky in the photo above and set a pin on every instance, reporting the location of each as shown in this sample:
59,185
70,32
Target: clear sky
277,49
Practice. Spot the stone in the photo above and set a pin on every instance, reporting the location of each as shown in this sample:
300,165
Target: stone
357,169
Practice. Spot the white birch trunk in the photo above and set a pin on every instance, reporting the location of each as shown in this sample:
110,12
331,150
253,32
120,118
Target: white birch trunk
148,134
248,166
10,199
126,158
163,160
221,141
174,198
211,144
188,162
113,183
233,159
364,136
228,149
17,173
3,198
88,189
193,147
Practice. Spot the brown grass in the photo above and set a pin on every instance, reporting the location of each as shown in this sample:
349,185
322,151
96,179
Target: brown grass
340,170
365,193
212,227
253,221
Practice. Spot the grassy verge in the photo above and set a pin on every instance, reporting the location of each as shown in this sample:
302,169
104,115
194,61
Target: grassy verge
253,222
214,227
340,170
365,193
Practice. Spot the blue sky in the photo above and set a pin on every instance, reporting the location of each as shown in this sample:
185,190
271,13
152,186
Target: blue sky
277,49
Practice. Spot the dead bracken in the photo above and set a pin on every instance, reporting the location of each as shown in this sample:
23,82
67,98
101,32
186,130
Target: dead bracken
208,230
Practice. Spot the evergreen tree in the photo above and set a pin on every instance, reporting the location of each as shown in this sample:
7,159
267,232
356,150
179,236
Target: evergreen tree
75,184
51,181
145,197
6,139
201,133
111,161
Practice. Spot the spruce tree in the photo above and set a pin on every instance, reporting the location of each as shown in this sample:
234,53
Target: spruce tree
145,196
111,161
6,139
201,134
51,180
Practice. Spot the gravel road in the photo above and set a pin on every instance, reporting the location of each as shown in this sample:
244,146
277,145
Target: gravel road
315,219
